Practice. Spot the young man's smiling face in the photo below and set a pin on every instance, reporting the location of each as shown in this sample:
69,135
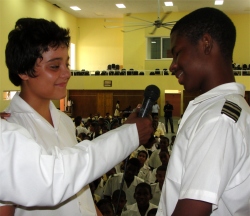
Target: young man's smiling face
188,62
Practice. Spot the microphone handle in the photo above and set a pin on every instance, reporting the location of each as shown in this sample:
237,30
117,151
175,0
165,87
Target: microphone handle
146,108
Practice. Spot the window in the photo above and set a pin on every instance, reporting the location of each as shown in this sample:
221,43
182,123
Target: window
158,48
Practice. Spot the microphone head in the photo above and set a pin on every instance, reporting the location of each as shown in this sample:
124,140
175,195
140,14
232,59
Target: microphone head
152,92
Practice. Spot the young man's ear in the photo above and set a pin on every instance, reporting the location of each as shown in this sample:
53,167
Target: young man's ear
24,77
207,43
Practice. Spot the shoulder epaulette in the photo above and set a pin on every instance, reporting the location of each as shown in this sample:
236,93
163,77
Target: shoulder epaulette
232,110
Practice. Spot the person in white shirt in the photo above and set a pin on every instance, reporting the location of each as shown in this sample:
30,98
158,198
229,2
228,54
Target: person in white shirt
209,169
155,109
129,184
142,195
37,61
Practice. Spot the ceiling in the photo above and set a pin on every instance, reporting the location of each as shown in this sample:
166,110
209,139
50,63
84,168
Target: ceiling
108,9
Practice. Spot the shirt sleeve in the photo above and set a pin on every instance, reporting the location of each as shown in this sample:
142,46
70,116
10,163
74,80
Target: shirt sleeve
31,177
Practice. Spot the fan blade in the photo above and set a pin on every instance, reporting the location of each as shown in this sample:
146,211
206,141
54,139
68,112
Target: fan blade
165,15
169,23
153,31
136,29
111,20
167,27
129,15
145,25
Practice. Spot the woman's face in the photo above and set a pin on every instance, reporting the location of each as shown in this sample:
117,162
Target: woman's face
52,75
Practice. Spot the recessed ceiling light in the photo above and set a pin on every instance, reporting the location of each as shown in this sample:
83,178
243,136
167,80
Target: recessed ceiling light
168,3
218,2
153,41
120,6
75,8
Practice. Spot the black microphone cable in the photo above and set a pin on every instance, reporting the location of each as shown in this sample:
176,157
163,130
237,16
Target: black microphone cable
151,94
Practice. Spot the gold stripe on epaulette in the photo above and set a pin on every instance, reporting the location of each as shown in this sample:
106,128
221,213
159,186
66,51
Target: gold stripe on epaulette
232,110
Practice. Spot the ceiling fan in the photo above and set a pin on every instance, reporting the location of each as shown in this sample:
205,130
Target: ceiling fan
156,24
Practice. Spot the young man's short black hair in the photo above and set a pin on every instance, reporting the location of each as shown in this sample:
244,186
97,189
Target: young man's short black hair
118,193
28,41
161,168
135,162
143,185
211,21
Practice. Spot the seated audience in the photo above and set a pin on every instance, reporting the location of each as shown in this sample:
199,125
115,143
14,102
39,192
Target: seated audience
157,187
164,157
130,181
149,147
94,130
142,196
154,160
106,208
119,202
145,171
79,127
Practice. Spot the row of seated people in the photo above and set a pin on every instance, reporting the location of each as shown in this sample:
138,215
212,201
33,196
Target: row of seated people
121,72
141,192
145,173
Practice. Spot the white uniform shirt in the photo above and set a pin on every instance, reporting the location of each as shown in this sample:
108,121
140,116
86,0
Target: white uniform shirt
154,160
61,135
155,108
145,173
132,210
47,179
156,192
81,129
114,183
211,155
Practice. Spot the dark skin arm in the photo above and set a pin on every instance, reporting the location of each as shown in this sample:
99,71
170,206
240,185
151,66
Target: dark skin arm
189,207
4,115
8,210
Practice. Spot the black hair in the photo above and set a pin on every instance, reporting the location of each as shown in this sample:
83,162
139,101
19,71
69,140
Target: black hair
135,162
78,120
161,168
143,151
118,192
104,202
211,21
165,138
28,41
152,211
144,185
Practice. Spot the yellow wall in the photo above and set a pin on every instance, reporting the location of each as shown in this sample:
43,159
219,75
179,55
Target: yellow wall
96,47
10,12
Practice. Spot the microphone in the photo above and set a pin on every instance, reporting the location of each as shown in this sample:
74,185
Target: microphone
151,94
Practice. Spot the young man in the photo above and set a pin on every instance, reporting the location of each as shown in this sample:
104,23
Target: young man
208,172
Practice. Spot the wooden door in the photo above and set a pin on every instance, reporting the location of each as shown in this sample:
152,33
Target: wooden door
105,103
175,100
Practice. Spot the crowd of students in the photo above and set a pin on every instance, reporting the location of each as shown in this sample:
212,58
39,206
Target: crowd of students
132,187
